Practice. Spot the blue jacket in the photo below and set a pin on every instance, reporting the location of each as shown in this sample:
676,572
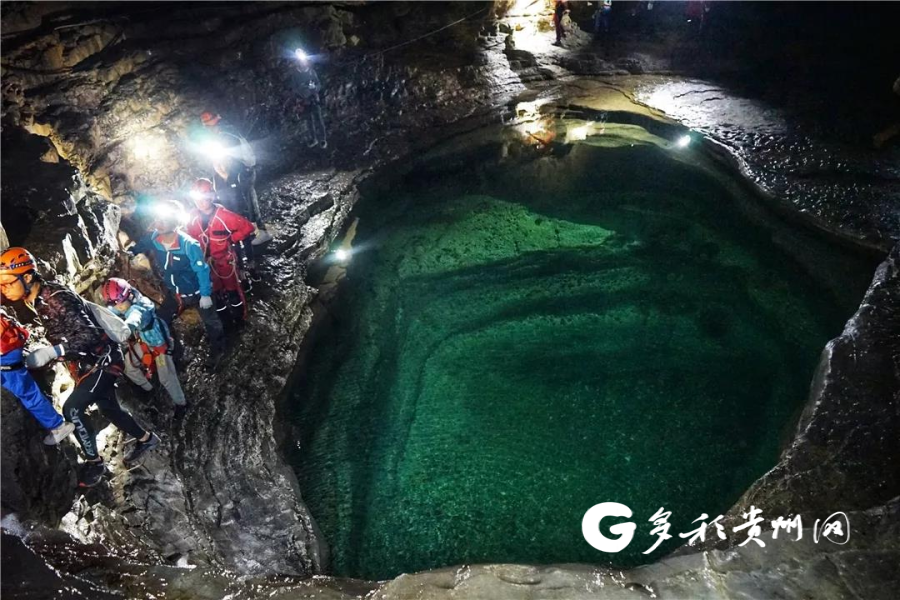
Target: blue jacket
184,268
141,319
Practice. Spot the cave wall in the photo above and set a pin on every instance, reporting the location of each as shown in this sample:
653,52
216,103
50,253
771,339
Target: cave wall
117,99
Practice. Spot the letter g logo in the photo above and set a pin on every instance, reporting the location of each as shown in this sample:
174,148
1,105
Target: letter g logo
590,527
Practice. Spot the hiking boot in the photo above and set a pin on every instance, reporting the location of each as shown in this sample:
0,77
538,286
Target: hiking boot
141,448
261,238
180,411
91,473
59,434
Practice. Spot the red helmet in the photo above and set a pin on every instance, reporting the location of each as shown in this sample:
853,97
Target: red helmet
116,290
209,119
16,261
203,188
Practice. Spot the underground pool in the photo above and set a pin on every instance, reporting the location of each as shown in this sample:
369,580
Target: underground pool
533,322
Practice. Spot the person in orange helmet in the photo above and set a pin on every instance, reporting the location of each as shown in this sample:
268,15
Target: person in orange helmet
95,361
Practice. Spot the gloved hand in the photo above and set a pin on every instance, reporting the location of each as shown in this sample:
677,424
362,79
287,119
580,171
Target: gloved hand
206,302
43,356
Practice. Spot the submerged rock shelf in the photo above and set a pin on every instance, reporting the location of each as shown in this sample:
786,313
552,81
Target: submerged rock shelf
528,335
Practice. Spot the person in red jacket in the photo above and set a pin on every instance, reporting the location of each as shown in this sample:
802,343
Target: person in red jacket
18,380
220,233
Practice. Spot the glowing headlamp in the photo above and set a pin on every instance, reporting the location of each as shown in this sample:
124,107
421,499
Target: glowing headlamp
213,149
683,141
299,54
198,195
342,255
169,212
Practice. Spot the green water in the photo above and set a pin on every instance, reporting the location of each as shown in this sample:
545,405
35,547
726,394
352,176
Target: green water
519,340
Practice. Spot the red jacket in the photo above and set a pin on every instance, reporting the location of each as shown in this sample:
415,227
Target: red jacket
12,335
223,229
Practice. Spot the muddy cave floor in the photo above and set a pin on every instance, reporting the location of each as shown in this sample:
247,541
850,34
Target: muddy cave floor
791,568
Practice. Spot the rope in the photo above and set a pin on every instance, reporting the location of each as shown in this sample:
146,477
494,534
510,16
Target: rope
421,37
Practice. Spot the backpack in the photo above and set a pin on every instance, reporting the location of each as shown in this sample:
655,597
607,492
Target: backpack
247,156
114,327
245,152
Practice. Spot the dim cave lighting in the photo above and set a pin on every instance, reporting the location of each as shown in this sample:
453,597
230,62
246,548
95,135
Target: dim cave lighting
683,141
342,255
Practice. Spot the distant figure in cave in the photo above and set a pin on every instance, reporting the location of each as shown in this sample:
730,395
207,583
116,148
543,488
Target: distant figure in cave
306,84
602,18
94,360
559,11
18,380
647,20
235,173
696,14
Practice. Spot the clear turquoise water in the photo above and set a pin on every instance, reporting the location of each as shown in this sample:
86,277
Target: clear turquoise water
519,340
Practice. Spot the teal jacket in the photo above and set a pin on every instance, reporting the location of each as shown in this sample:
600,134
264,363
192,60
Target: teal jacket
183,269
141,319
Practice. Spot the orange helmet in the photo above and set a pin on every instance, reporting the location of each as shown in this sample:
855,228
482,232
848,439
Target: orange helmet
16,261
209,119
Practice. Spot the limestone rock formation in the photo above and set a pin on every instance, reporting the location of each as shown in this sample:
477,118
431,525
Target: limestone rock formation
845,454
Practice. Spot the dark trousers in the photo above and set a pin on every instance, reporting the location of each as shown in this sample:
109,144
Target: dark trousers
232,308
601,22
247,189
210,317
316,121
98,388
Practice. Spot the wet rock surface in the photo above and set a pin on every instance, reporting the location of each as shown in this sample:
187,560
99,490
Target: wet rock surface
794,566
845,453
839,180
217,493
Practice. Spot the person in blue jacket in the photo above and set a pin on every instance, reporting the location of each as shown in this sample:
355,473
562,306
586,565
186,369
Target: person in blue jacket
182,267
150,345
